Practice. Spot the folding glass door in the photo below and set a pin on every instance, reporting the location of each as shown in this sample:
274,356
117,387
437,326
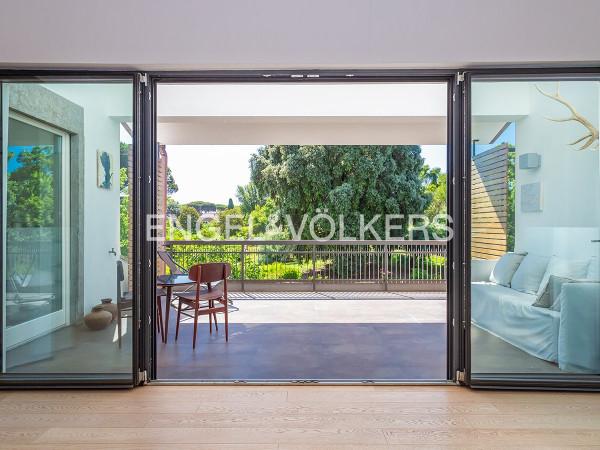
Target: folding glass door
68,282
534,243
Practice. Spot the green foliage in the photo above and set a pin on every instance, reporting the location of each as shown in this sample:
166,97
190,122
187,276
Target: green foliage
436,189
291,274
172,187
188,215
230,204
233,223
32,189
260,217
343,180
124,226
510,234
173,207
201,205
124,154
124,211
249,197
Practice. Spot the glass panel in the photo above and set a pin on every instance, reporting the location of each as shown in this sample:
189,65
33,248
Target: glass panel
66,228
34,235
535,208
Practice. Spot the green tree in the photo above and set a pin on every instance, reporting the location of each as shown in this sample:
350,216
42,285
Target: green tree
173,207
124,211
230,204
343,180
32,188
124,154
186,213
249,197
200,205
233,222
172,187
510,219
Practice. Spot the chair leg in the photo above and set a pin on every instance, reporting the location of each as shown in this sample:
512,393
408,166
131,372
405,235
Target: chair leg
226,324
195,324
159,321
215,317
210,316
178,318
119,326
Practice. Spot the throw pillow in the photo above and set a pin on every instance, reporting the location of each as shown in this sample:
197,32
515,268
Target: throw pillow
549,298
568,268
528,276
505,268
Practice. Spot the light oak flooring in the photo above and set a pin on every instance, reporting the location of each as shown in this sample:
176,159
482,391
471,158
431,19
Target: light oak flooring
298,417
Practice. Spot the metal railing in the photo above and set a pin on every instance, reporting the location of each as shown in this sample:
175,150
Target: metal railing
389,264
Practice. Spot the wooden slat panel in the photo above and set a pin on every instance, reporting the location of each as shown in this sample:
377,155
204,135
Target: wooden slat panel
489,173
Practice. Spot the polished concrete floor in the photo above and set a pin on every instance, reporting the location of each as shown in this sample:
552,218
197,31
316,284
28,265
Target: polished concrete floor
491,355
75,350
401,338
406,351
315,336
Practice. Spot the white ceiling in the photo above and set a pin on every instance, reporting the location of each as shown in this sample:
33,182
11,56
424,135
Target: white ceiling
184,34
350,113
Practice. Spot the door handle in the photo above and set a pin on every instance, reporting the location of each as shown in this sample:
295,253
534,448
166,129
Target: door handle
595,240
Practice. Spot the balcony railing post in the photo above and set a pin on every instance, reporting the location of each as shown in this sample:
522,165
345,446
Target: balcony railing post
314,267
242,266
385,267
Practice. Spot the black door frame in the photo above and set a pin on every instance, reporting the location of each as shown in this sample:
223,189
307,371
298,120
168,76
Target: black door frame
508,381
455,336
459,362
19,381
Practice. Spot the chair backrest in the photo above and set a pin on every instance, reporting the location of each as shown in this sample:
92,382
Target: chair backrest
120,278
175,268
209,272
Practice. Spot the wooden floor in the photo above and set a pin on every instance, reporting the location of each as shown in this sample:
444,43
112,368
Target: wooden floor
298,417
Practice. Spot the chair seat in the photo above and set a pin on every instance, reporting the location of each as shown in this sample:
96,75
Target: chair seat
205,294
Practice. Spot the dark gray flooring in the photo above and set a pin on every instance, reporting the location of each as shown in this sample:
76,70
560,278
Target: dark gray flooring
73,350
406,351
490,355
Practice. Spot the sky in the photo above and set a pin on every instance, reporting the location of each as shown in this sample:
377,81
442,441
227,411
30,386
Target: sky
228,168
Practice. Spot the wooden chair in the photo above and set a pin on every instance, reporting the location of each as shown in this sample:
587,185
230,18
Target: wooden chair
167,258
211,287
125,304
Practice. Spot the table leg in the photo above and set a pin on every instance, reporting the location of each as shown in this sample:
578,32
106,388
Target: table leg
167,309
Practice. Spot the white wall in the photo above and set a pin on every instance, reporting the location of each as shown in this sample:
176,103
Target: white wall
104,106
570,179
184,34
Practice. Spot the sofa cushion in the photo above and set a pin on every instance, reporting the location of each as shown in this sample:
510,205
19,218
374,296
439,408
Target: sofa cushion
495,292
567,268
505,268
529,274
508,314
549,298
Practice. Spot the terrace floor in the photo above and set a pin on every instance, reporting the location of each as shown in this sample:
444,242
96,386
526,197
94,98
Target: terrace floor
309,336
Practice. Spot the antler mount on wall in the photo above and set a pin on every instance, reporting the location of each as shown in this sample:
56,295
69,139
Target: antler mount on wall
590,137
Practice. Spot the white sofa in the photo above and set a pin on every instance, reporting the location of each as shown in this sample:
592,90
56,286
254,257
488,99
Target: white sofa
569,337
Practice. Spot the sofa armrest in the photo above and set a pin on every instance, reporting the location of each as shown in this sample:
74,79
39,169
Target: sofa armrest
481,269
579,332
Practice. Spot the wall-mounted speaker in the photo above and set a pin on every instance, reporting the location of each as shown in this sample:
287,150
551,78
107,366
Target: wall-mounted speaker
530,161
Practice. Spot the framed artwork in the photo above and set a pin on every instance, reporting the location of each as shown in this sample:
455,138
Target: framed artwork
105,169
531,197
